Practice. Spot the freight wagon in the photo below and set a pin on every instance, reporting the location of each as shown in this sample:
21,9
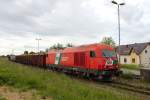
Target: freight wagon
35,60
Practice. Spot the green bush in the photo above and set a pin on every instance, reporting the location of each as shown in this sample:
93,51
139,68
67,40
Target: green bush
130,66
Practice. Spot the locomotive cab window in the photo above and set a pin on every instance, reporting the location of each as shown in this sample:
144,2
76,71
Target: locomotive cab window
92,54
108,53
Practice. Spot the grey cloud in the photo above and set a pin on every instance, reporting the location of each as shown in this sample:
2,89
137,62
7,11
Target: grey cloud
68,17
75,19
132,14
19,15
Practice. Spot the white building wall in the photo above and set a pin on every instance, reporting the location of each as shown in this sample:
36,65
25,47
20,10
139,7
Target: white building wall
145,57
127,57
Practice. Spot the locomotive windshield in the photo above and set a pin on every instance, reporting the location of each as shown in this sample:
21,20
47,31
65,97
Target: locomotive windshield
108,53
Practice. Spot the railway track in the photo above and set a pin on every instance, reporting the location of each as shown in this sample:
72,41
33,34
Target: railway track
119,85
132,88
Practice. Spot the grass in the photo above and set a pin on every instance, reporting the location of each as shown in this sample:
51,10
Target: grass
130,66
127,76
55,85
2,98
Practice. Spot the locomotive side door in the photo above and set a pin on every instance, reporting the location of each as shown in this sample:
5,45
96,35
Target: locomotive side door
92,59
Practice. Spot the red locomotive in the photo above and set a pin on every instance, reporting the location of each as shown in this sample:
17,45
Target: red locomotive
95,60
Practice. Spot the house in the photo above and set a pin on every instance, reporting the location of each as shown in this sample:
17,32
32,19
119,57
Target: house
138,54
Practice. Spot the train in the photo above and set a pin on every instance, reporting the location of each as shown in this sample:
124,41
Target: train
93,60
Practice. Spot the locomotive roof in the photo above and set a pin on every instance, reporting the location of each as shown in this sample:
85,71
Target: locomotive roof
84,48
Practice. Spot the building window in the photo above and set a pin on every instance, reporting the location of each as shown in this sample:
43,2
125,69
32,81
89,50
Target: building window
133,60
125,60
92,54
145,51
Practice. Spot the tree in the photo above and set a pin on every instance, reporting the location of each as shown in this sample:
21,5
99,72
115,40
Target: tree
57,46
42,52
69,45
26,52
32,52
46,50
108,41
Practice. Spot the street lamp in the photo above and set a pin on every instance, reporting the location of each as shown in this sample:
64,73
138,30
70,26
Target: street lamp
118,5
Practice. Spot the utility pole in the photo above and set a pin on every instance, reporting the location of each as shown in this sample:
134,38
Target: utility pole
38,42
12,52
118,6
25,47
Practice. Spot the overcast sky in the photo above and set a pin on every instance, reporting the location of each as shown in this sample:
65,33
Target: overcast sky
74,21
